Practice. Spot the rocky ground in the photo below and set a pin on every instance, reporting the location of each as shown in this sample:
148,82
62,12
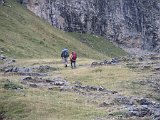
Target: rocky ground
128,107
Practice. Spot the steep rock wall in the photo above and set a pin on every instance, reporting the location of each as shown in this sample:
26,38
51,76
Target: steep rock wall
133,23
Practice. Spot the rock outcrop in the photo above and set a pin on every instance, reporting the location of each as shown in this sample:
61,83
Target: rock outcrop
1,2
133,23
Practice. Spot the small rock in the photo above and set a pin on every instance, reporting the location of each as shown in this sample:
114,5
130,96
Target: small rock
50,88
13,60
123,100
59,83
27,78
93,88
101,89
2,57
141,59
78,83
141,111
94,64
114,60
157,114
8,69
114,92
50,81
104,104
33,85
55,88
144,102
156,68
15,69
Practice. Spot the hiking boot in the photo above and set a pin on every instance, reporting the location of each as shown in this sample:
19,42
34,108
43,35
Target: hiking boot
65,65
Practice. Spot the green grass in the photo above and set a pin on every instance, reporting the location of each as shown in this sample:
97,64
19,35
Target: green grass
100,44
11,85
24,35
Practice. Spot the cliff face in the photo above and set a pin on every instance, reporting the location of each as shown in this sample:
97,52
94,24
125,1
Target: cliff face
134,23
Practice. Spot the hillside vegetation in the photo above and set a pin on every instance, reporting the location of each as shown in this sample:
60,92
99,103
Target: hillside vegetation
24,35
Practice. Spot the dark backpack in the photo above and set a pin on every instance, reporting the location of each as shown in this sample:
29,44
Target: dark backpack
65,54
74,55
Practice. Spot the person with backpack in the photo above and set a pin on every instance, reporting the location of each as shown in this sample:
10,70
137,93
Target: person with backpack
73,57
64,56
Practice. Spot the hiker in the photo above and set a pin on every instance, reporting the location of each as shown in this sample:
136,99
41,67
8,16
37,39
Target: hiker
65,56
73,57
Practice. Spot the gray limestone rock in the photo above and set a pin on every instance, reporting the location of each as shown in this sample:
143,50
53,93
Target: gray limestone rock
33,85
123,100
27,78
104,104
2,57
133,23
140,111
6,59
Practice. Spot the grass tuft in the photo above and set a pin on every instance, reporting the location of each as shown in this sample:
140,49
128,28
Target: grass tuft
11,85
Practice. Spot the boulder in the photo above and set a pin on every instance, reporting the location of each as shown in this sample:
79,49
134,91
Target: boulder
94,64
27,78
42,68
141,111
33,85
123,100
2,57
8,69
143,101
104,104
114,60
157,114
57,81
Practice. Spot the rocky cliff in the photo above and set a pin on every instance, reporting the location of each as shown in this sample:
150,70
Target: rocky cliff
133,23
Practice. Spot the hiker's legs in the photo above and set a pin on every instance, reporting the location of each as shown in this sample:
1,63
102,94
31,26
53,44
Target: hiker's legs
65,62
74,64
71,64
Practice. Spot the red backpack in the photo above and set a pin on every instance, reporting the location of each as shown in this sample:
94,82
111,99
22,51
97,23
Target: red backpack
74,55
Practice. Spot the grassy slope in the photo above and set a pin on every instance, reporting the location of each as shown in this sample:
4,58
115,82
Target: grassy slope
100,44
22,34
